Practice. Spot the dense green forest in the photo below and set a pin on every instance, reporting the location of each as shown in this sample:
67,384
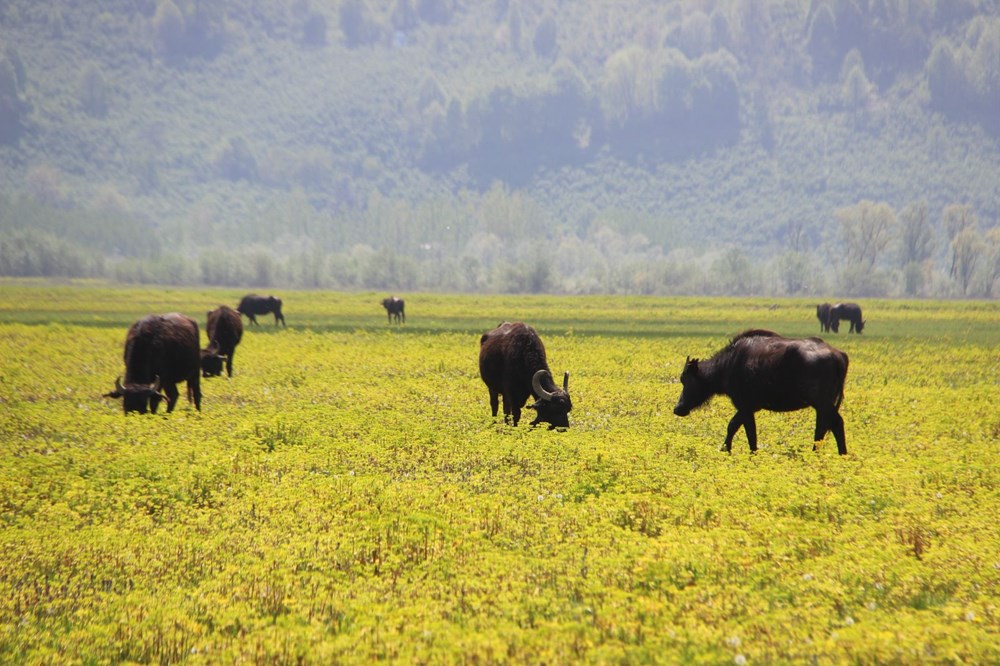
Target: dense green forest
827,147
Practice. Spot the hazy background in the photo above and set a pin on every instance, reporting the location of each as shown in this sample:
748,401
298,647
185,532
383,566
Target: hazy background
824,147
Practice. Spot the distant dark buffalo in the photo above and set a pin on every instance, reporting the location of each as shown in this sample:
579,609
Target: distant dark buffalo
160,351
252,305
823,314
394,309
512,364
225,330
850,312
763,370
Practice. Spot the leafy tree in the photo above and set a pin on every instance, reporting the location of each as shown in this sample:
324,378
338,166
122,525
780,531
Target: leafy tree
795,272
735,273
33,253
964,81
916,247
867,229
966,250
957,218
916,234
992,260
625,91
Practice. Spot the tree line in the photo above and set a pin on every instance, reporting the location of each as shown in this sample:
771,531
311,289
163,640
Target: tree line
503,241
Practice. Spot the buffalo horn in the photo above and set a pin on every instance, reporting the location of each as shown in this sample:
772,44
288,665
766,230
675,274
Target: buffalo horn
536,385
155,387
118,385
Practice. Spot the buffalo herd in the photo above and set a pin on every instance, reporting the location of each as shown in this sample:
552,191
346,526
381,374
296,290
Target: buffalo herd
758,369
830,317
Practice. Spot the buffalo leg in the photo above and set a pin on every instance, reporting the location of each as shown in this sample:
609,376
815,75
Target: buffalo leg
837,426
750,426
735,424
495,403
822,425
194,386
171,391
229,363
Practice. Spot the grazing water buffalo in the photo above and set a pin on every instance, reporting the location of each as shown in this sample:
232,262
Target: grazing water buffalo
160,351
512,364
763,370
252,305
225,330
394,309
850,312
823,314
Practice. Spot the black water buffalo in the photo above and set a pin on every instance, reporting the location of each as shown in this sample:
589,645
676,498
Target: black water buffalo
849,311
763,370
823,314
394,309
252,305
225,330
512,364
160,351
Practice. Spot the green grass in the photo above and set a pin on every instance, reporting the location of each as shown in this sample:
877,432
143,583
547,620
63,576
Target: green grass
347,497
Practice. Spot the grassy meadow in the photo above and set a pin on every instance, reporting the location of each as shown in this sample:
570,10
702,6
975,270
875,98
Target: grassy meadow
347,497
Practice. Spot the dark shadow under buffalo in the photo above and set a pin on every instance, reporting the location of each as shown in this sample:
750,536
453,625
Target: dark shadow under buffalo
160,351
225,330
763,370
252,305
512,364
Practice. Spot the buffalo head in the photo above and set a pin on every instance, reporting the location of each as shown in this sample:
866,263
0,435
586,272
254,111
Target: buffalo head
552,406
138,397
695,391
212,360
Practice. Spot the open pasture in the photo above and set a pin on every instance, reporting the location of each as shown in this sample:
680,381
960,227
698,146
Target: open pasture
347,497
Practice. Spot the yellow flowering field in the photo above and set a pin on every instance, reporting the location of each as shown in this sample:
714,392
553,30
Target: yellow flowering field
346,497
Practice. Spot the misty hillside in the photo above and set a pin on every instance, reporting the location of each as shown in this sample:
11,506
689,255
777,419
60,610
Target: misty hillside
638,146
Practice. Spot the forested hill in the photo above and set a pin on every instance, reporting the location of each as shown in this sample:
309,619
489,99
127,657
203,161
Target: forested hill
640,146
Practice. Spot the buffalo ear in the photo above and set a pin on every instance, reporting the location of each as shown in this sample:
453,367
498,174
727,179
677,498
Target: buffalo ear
532,406
113,394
